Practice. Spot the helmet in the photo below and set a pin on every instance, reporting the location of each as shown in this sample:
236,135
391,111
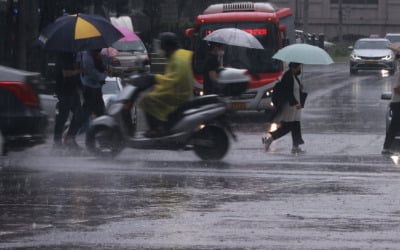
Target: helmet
168,39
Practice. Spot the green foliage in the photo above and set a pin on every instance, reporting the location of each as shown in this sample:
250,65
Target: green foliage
341,51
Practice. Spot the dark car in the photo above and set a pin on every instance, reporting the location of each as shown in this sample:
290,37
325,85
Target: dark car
23,123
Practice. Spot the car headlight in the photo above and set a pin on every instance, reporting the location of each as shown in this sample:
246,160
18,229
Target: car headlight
355,57
387,58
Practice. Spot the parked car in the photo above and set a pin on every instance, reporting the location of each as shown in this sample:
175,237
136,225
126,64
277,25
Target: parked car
130,54
304,37
393,37
23,123
372,54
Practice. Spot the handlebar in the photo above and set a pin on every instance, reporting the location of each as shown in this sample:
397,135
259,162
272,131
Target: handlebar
141,80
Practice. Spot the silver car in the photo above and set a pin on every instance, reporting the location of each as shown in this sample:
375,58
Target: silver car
372,54
131,57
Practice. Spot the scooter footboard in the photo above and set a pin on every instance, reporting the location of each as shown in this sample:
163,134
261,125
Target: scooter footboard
194,118
105,120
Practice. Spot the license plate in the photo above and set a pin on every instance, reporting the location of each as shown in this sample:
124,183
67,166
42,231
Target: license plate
238,105
371,62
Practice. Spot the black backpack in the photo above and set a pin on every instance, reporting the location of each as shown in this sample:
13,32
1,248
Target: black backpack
277,96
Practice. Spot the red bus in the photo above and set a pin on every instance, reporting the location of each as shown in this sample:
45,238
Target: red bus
272,26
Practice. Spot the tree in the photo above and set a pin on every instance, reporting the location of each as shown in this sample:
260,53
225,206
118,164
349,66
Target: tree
152,8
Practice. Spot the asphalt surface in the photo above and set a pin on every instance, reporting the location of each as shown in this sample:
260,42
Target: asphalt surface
340,194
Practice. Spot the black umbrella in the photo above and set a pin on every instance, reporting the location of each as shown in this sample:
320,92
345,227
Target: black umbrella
79,32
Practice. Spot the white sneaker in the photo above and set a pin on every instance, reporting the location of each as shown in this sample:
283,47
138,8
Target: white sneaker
267,141
297,150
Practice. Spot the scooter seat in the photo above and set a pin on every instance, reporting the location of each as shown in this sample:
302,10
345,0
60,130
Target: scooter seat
192,104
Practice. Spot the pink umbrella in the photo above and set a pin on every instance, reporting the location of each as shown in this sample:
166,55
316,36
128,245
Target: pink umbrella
110,52
128,34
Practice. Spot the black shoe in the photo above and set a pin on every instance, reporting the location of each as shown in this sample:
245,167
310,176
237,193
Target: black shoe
386,152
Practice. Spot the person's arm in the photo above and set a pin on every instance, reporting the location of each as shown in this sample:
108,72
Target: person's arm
69,73
288,82
90,71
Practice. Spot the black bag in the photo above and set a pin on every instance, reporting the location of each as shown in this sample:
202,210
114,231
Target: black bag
303,97
277,96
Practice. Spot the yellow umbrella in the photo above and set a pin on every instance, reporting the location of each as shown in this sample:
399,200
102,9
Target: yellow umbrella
79,32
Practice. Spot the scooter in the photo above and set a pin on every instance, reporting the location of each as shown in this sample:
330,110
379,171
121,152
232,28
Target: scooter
200,125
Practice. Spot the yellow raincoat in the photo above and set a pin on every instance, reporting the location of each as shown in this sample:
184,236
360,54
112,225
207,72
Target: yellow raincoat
172,89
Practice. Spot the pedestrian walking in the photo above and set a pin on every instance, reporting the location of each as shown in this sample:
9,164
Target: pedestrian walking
211,67
93,77
394,126
288,113
67,91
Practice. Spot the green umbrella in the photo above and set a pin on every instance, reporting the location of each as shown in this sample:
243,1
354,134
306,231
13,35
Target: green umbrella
304,54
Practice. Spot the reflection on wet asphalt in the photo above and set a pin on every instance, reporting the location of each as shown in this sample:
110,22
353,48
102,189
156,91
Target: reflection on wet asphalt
342,194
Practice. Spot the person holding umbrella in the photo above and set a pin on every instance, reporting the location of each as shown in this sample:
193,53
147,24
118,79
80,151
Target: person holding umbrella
93,77
67,92
289,115
74,34
211,66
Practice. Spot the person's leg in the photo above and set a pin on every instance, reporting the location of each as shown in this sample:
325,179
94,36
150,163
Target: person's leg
296,134
393,127
283,129
76,110
63,107
296,137
97,102
156,127
83,114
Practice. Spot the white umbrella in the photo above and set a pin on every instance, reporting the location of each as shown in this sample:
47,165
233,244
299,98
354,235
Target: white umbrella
234,37
304,54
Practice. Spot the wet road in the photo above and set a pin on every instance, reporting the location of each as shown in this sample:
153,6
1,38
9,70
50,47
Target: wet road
342,194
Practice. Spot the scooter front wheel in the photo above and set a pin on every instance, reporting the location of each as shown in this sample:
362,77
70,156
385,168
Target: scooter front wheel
211,143
104,141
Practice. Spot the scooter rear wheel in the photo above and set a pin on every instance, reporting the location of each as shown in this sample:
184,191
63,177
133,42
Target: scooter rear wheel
104,141
211,143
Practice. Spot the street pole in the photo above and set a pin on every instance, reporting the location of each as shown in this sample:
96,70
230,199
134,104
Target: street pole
340,13
305,16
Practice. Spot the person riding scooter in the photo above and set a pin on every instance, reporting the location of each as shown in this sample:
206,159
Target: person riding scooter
171,89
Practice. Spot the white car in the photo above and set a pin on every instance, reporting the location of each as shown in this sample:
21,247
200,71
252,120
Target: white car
111,89
372,54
